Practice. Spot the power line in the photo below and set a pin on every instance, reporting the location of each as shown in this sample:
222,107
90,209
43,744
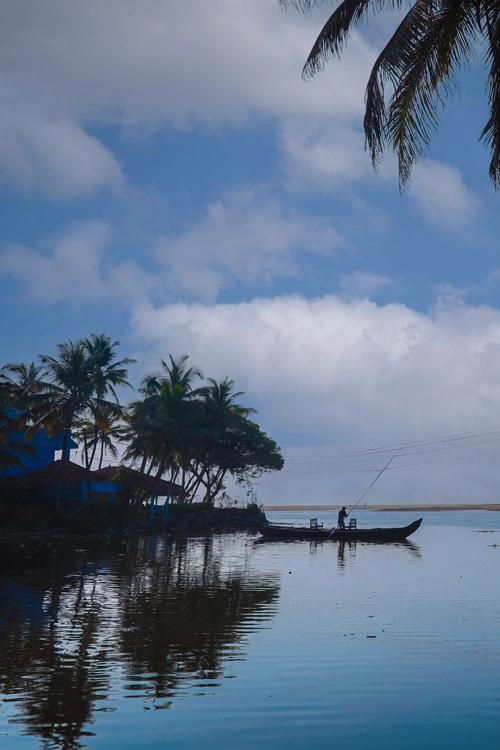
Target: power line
300,462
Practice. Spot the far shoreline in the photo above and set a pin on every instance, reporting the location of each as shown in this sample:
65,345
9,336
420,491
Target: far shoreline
430,507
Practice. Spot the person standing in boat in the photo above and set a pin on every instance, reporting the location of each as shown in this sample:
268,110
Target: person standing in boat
341,517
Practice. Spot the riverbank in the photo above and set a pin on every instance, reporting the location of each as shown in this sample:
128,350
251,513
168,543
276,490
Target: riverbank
419,508
197,519
96,520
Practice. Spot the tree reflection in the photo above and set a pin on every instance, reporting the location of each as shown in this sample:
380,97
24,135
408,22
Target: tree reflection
170,615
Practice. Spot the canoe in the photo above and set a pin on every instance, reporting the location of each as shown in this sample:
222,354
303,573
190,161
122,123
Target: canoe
397,534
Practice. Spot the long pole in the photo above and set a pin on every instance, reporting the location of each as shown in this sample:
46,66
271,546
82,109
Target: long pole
389,462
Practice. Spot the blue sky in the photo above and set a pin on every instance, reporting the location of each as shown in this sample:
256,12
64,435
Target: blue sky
167,177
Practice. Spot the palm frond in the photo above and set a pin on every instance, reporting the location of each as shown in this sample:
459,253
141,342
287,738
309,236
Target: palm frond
333,36
303,6
419,62
491,131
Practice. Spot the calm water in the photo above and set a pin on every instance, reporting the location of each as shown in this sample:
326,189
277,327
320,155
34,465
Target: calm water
223,643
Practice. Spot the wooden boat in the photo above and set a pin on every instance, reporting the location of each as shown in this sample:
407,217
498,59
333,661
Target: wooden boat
397,534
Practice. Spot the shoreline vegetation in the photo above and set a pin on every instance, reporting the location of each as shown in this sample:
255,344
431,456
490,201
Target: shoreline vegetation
196,520
181,438
432,507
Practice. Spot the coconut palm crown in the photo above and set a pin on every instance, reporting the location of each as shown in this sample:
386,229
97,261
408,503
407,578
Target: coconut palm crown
418,64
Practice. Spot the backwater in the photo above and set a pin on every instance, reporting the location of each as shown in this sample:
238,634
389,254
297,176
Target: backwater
225,643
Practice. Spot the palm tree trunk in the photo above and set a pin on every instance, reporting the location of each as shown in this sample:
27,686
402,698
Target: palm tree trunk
161,469
85,449
216,486
65,446
65,457
94,449
101,457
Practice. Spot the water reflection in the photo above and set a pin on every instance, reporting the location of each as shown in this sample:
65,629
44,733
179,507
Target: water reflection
346,551
341,553
169,615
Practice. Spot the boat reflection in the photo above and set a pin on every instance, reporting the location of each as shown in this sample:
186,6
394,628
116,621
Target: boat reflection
341,546
169,616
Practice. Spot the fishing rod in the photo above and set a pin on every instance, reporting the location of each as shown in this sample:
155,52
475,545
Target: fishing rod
367,489
389,462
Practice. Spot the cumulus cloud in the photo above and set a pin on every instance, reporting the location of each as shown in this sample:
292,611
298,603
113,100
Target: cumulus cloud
323,158
246,237
351,373
441,195
73,263
173,62
363,283
148,65
55,157
76,267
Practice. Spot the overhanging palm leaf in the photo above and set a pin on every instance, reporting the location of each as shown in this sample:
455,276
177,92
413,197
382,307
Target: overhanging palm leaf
419,62
491,132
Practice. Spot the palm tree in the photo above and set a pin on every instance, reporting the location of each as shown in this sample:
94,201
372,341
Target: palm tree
223,416
12,422
164,424
219,399
79,379
108,372
69,392
27,377
177,375
140,420
101,430
419,64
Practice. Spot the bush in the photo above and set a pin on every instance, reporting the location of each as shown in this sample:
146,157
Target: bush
96,517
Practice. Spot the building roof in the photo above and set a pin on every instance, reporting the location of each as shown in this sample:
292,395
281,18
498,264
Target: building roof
65,471
159,487
68,472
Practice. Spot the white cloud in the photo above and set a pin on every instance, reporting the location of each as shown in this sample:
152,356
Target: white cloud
324,158
441,195
245,237
77,268
147,65
353,373
70,270
143,66
155,62
53,156
363,284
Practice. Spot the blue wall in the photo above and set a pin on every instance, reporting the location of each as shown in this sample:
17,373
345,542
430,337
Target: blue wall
44,450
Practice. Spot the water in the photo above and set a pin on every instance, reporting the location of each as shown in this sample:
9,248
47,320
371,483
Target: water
223,643
473,519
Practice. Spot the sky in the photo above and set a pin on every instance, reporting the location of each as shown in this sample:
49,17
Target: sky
168,178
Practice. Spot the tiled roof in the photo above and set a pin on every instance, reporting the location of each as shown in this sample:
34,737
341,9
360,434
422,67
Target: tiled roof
64,471
159,487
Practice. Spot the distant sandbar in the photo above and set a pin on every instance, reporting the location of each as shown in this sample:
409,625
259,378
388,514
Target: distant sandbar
400,508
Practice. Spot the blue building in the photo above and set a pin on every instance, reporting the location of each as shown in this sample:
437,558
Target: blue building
41,480
44,450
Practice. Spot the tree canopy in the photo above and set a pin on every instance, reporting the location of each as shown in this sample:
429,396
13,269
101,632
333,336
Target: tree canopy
192,432
196,435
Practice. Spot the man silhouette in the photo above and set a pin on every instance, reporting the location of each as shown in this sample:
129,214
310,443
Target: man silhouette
341,517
